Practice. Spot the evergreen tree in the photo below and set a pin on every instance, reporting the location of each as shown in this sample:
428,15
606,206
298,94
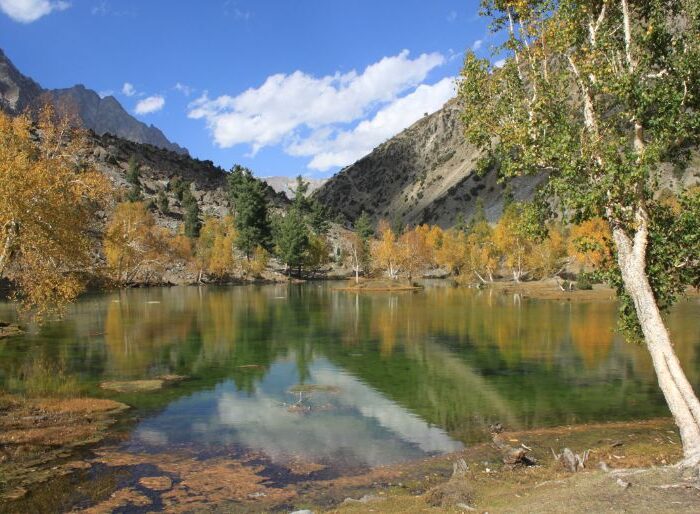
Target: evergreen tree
247,196
192,222
133,172
178,186
134,194
363,226
318,219
508,197
301,190
460,225
163,202
292,239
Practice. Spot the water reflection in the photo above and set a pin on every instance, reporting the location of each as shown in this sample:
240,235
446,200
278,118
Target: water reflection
345,424
413,374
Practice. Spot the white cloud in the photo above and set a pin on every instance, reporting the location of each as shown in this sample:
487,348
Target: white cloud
499,63
477,44
103,94
330,148
149,105
128,89
184,89
27,11
283,105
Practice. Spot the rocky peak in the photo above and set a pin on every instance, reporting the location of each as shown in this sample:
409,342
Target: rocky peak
101,115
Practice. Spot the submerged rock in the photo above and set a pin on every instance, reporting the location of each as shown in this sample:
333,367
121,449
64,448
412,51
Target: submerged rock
133,386
313,388
156,483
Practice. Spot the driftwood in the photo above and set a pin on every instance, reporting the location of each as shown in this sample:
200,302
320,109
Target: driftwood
459,468
512,455
571,461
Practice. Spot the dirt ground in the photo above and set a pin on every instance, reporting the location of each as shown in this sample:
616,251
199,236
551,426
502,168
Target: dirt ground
637,476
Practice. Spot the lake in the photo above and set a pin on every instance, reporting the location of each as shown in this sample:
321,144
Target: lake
344,380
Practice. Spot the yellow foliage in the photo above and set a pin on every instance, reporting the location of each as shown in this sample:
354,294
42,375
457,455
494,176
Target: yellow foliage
254,266
590,243
215,247
385,252
318,252
48,199
135,246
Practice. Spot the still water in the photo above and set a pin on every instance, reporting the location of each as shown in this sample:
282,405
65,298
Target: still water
336,377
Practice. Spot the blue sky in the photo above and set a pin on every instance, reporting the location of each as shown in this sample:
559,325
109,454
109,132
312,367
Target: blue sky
284,87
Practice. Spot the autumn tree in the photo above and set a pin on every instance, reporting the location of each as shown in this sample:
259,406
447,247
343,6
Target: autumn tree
590,244
452,254
386,252
515,235
215,250
48,203
482,254
415,251
600,93
136,248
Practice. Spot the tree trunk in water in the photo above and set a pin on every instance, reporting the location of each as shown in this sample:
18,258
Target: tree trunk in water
679,394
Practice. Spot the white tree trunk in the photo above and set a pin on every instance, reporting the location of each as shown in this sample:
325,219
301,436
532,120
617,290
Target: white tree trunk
10,229
678,392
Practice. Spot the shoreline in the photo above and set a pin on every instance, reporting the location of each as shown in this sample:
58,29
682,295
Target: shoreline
61,441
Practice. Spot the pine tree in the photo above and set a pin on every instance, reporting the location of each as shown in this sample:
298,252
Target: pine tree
363,226
318,219
133,172
460,225
192,221
301,190
134,194
163,202
247,197
292,239
508,197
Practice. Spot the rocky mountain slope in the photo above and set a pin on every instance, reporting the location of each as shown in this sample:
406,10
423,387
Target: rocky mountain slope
158,168
286,185
426,174
101,115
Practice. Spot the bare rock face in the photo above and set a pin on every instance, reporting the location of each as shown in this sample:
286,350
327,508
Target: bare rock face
426,174
101,115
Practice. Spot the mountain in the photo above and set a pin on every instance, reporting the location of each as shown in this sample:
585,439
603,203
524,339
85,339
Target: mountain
101,115
286,185
158,168
426,174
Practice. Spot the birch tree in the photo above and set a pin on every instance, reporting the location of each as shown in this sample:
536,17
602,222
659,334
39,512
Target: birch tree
48,202
598,94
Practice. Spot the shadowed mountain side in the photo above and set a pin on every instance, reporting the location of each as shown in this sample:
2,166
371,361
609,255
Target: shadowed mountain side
426,174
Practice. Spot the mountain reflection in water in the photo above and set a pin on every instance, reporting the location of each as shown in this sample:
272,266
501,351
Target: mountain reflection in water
402,375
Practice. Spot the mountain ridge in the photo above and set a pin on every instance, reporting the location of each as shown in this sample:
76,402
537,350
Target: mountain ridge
19,93
428,174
